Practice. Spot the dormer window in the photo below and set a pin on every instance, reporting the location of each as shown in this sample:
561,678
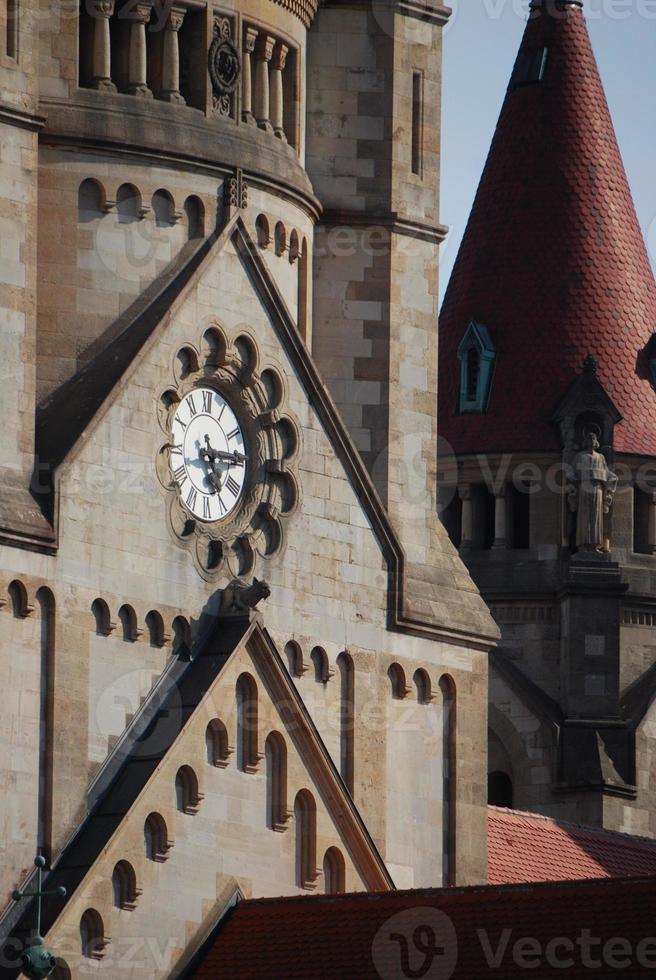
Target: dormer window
476,354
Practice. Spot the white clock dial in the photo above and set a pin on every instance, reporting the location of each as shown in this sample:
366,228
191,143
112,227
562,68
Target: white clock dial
208,458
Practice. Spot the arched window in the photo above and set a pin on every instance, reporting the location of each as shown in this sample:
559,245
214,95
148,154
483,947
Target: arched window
500,789
181,638
163,209
319,659
102,616
280,238
247,754
275,751
449,762
303,318
187,797
20,605
156,838
262,231
128,204
423,686
396,675
128,618
216,744
90,201
347,718
294,656
305,817
124,886
195,213
294,249
334,872
155,627
92,935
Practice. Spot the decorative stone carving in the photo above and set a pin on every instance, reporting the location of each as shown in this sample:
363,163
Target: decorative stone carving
590,493
235,192
224,66
237,598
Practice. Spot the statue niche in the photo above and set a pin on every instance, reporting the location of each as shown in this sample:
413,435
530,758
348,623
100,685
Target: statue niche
591,486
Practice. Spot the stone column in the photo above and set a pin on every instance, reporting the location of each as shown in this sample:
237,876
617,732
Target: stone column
277,66
102,52
171,57
263,52
500,530
651,525
137,78
467,525
250,37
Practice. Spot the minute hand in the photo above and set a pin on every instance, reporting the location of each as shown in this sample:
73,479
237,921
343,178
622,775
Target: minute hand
225,457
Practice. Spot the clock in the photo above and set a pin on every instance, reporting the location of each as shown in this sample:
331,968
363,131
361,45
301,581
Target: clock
208,456
229,463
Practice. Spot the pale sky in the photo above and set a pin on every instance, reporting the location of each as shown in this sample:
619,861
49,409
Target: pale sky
480,46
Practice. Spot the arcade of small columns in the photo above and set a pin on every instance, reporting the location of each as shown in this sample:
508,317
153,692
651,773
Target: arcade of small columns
467,517
263,62
644,543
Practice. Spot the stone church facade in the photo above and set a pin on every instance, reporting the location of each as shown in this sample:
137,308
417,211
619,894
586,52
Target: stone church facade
239,652
547,375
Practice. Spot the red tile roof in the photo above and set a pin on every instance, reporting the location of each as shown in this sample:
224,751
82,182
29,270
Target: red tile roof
553,261
442,934
528,847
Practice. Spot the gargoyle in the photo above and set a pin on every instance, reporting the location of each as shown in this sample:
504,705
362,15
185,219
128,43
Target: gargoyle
240,598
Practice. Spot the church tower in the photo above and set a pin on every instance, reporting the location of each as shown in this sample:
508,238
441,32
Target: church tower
547,399
241,655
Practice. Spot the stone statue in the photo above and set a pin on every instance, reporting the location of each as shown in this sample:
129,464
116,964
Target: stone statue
590,494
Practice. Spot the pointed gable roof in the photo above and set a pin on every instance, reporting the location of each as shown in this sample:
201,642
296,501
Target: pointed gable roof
553,261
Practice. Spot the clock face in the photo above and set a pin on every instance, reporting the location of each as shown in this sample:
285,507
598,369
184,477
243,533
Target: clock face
208,458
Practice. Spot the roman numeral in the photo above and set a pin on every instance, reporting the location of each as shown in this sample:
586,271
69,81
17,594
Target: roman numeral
207,513
231,435
223,408
192,406
232,486
191,498
207,402
222,506
180,422
180,474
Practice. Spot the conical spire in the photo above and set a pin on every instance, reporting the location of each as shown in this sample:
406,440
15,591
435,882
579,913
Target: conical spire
553,262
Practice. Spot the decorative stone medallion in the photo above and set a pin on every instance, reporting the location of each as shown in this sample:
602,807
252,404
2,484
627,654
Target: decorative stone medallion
223,62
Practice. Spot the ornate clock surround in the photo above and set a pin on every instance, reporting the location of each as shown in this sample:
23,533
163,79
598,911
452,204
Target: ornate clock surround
258,397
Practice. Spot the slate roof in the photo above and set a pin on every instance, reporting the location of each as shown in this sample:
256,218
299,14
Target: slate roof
525,847
553,261
364,936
